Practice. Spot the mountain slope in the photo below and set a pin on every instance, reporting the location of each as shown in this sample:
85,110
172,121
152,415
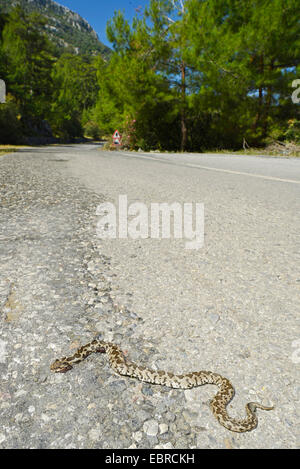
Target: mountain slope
66,29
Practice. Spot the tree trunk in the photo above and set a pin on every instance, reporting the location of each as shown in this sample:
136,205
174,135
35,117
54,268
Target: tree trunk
268,102
260,97
183,108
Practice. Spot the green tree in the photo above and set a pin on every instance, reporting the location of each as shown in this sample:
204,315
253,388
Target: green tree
3,19
29,59
75,91
168,38
246,53
145,80
131,90
157,41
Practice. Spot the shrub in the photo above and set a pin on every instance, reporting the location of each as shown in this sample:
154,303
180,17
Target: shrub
92,130
11,131
292,134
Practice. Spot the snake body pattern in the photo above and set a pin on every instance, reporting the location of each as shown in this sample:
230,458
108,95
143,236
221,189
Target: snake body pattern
123,367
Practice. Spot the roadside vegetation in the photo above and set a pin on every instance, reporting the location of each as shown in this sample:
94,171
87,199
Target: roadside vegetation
184,76
7,149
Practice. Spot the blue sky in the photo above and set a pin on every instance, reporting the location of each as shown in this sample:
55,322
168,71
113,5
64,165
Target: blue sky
97,12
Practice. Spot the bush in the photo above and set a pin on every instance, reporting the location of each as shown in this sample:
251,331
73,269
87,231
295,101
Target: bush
66,127
92,130
11,131
292,134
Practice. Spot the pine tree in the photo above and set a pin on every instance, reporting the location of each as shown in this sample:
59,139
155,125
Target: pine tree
151,52
76,90
29,56
246,52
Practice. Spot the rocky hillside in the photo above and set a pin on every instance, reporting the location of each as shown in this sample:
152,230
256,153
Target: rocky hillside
66,28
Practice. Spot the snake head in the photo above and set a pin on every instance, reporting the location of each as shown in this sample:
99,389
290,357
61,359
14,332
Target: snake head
60,366
252,406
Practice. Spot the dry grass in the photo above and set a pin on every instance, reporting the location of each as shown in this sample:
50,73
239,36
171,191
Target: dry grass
276,149
10,148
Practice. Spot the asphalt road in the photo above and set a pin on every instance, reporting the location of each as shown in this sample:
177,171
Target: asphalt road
231,306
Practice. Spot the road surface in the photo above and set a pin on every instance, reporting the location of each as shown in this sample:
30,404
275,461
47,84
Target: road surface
231,306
